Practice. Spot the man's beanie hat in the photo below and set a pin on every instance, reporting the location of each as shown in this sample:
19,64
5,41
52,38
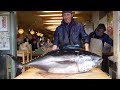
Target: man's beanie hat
101,26
66,12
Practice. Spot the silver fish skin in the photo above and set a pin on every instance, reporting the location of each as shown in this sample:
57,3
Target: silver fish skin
66,61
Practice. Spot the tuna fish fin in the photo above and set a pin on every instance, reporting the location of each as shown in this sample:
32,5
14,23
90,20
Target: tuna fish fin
15,59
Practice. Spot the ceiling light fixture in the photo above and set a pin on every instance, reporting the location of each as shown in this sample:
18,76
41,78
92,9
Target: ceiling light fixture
32,32
21,31
45,15
38,34
51,28
41,35
60,18
51,23
51,11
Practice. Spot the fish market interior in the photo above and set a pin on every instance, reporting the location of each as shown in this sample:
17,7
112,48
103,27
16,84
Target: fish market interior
29,35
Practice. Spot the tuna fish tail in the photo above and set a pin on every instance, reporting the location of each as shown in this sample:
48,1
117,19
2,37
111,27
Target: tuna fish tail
18,64
15,59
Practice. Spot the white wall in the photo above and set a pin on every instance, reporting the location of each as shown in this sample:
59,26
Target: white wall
96,21
95,18
104,21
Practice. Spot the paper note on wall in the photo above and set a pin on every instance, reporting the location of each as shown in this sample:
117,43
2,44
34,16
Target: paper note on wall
3,23
4,41
4,34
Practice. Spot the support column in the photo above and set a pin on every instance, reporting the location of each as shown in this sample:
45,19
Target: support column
13,41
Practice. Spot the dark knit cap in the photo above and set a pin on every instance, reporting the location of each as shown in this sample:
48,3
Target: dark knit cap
66,12
101,26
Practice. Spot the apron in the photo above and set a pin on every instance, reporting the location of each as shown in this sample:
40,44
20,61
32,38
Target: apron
96,46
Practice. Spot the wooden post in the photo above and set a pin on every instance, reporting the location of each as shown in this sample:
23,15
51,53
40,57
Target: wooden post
116,27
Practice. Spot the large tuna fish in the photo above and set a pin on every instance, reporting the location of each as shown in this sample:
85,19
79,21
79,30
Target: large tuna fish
65,61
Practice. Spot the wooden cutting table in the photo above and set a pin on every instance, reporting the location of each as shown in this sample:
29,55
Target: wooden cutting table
34,73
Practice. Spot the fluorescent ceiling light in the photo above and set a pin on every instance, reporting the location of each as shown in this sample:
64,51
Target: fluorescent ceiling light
50,15
59,17
55,18
51,11
75,17
53,21
51,28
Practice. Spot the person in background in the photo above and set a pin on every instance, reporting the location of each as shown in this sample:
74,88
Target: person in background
38,43
34,45
28,38
19,41
34,42
68,35
99,33
34,37
48,45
